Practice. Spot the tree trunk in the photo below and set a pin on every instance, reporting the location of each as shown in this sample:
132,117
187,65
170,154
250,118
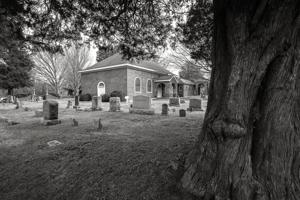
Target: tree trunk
249,147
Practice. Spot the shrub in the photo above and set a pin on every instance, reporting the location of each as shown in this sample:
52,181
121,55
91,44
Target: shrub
105,98
118,94
85,97
22,95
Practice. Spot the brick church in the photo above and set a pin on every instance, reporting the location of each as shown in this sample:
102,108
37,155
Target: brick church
134,78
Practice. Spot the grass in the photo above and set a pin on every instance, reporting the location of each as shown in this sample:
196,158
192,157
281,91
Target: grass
134,157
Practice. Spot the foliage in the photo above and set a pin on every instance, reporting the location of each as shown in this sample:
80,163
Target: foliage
191,72
85,97
104,53
105,97
15,68
119,94
196,33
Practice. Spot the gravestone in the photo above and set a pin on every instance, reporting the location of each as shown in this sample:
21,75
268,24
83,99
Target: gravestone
141,105
98,124
96,103
50,113
69,105
182,113
114,104
164,109
174,101
195,105
76,102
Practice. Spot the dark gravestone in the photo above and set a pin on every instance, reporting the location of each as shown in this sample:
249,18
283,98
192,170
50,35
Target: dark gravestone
182,113
50,110
76,102
164,109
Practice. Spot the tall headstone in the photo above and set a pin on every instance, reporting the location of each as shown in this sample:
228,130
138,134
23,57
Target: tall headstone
142,105
76,102
50,110
164,109
174,101
50,113
96,103
114,104
195,105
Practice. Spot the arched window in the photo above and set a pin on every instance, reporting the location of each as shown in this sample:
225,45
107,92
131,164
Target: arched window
101,88
137,84
149,86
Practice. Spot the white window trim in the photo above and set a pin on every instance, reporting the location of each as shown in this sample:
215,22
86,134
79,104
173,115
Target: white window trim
135,85
151,86
98,86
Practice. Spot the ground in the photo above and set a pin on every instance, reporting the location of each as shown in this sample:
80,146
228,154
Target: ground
133,157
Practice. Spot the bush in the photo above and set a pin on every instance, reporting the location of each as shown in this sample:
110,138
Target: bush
105,98
22,95
85,97
118,94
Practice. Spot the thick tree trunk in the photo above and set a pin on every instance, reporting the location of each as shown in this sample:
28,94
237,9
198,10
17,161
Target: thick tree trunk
249,147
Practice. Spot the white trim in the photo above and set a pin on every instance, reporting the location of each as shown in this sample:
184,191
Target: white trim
140,85
151,86
98,87
116,66
158,81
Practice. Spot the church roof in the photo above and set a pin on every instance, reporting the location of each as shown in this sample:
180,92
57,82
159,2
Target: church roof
116,61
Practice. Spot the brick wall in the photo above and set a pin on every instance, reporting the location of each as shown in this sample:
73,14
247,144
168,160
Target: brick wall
144,76
115,79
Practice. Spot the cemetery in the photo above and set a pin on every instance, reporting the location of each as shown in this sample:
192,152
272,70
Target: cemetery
107,138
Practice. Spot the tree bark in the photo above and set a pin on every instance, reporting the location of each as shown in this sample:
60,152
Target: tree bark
249,147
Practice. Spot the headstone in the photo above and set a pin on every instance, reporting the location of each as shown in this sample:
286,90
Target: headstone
114,104
96,103
195,105
142,105
164,109
182,113
75,122
98,124
76,102
141,102
69,104
174,101
50,110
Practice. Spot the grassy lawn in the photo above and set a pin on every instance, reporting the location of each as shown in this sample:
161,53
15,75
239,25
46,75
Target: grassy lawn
133,157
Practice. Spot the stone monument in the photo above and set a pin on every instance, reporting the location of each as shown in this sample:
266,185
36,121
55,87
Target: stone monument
142,105
195,105
164,109
96,103
50,113
114,104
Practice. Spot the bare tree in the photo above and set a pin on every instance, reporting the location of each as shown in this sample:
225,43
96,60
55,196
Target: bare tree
76,58
50,69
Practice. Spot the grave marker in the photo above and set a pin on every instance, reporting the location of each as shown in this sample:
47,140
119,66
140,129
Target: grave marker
141,105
